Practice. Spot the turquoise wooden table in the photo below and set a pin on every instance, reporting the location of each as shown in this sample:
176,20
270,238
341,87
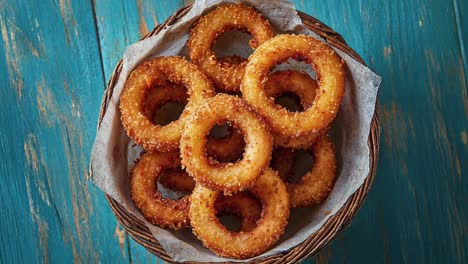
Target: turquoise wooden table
55,58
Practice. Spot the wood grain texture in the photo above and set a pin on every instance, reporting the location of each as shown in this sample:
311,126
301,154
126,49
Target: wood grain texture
57,55
52,82
120,24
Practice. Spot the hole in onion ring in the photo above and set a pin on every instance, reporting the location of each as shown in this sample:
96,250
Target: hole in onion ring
170,185
291,101
225,143
239,212
221,131
303,162
164,104
296,65
167,113
232,43
231,222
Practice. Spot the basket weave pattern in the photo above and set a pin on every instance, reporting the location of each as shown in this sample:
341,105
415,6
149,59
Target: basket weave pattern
334,226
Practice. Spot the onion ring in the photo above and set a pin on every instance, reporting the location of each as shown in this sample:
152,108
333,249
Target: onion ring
305,87
315,185
149,201
240,17
241,204
229,148
330,78
227,177
151,73
270,190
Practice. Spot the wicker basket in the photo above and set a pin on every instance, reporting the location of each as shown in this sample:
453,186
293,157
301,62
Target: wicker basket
334,226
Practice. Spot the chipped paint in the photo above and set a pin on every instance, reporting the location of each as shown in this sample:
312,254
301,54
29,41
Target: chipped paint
80,198
49,112
387,52
16,31
143,27
119,232
155,18
36,162
68,21
464,137
34,158
395,125
16,79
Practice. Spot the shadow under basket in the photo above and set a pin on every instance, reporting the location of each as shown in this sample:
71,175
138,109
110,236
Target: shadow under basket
314,243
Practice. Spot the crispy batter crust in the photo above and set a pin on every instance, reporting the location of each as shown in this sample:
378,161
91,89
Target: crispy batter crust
330,78
270,190
149,201
242,204
227,177
316,185
306,88
151,73
225,149
226,76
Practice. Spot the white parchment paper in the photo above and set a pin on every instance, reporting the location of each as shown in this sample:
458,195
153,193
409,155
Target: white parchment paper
114,154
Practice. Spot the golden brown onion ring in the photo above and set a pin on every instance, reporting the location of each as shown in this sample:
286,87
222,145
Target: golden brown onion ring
209,27
149,201
227,177
241,204
226,149
151,73
330,78
315,185
305,87
270,190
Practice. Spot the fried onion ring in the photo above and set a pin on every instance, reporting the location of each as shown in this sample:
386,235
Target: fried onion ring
241,204
155,72
226,76
330,78
316,184
226,149
270,190
227,177
149,201
301,84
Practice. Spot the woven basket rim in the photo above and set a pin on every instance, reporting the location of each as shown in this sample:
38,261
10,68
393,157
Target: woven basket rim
315,242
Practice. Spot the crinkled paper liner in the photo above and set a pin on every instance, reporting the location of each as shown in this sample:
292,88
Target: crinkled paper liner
114,153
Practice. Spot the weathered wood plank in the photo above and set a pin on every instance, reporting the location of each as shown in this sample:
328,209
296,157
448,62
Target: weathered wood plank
415,212
51,86
121,23
418,199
